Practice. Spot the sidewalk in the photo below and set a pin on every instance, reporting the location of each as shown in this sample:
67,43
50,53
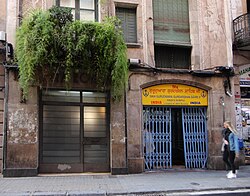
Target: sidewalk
154,183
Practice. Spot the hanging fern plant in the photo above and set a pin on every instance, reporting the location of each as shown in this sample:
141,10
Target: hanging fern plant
50,41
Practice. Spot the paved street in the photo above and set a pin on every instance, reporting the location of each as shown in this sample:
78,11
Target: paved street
175,182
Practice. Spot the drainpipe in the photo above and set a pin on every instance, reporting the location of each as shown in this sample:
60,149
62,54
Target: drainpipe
5,118
6,92
126,129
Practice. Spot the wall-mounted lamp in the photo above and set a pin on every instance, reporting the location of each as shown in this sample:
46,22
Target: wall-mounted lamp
134,61
221,101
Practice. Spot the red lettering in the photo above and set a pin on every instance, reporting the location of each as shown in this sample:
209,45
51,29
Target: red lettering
175,86
156,102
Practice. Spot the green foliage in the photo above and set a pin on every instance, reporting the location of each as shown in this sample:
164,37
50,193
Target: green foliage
49,41
60,16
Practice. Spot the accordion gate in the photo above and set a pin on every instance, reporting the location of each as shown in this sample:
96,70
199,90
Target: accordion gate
157,137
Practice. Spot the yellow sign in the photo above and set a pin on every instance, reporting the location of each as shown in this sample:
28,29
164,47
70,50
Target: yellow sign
174,94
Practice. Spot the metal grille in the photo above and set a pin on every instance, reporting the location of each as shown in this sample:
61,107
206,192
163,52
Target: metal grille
195,137
157,138
241,26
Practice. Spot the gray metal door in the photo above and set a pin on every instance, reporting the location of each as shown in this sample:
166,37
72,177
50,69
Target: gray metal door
195,137
74,133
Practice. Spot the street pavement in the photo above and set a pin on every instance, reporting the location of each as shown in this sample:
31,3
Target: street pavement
172,182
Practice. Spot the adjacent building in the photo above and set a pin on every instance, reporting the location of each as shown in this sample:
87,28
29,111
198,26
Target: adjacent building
241,52
182,86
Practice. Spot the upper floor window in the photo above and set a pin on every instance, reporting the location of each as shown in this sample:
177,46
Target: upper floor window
171,21
172,57
128,23
86,10
171,34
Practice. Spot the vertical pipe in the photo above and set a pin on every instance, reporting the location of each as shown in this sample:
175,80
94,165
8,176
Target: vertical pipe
5,114
5,119
126,129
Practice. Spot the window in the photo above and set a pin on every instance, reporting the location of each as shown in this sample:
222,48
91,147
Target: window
81,9
171,21
128,22
171,34
172,57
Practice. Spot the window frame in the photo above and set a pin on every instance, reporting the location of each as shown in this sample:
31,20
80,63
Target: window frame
78,9
169,52
174,52
135,36
171,26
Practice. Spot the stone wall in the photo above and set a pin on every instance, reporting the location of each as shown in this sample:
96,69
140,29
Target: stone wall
211,46
22,131
3,16
214,86
210,33
118,138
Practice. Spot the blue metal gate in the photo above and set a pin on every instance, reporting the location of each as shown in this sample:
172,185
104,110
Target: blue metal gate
157,137
195,137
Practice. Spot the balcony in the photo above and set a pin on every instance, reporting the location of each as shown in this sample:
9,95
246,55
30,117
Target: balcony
241,27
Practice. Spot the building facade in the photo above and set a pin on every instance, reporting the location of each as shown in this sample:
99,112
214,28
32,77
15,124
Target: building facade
241,52
181,88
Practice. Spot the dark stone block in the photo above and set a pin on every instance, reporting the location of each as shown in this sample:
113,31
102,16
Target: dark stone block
17,172
119,171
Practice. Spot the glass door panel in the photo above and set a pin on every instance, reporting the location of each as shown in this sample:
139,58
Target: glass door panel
94,121
95,139
61,132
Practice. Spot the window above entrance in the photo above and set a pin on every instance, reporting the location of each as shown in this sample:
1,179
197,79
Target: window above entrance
74,96
61,96
94,97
